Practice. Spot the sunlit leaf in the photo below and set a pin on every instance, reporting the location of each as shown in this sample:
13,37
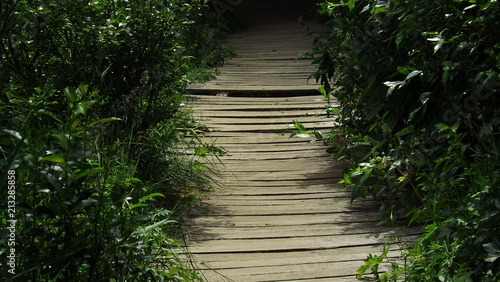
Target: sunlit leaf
150,197
54,181
158,224
89,202
438,45
14,134
413,74
54,158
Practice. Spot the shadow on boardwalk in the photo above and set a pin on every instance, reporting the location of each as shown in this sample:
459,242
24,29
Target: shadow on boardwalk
279,214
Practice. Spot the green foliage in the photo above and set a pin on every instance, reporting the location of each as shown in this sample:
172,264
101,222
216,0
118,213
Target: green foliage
374,262
81,212
99,166
417,83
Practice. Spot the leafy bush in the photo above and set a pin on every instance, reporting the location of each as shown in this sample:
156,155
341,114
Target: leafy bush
81,213
98,167
417,82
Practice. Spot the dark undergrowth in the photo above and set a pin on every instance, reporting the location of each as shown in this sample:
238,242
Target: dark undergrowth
418,87
99,155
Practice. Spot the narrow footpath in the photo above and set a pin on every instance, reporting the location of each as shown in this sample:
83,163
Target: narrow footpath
279,214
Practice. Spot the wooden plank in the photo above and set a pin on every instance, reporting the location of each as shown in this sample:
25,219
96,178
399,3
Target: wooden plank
228,100
311,156
277,199
287,220
223,233
216,88
289,244
245,260
279,165
334,271
277,147
278,128
279,207
276,107
258,99
268,114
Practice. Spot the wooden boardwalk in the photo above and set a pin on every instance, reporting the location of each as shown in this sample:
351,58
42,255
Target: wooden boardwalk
266,61
278,214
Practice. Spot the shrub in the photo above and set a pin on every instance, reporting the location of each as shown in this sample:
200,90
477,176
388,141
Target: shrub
82,214
98,166
417,83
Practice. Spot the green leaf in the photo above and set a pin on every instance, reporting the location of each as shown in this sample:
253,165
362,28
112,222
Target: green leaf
14,134
104,120
150,197
351,5
404,131
86,173
318,135
158,224
300,127
83,107
346,179
438,45
52,115
412,74
362,270
54,181
424,97
70,94
493,252
392,86
322,90
54,158
138,205
62,139
403,70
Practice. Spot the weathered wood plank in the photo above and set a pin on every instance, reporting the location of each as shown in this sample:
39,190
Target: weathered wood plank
287,220
273,207
260,107
269,114
289,244
223,233
254,100
266,194
334,271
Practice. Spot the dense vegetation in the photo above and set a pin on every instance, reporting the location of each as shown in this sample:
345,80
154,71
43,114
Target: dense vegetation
93,150
418,86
